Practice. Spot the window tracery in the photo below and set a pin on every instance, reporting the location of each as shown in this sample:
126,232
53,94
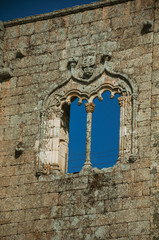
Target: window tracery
86,82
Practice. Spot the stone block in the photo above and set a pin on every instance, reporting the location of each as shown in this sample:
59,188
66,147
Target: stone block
56,212
68,211
50,199
156,36
57,23
143,214
89,15
119,230
8,230
44,225
41,26
144,114
101,232
139,228
12,32
142,175
78,31
11,204
1,134
155,64
31,201
126,216
26,227
39,38
27,29
135,189
5,181
30,130
122,190
128,176
11,133
144,95
144,131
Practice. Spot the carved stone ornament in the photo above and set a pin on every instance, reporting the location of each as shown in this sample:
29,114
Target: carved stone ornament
89,70
52,112
88,63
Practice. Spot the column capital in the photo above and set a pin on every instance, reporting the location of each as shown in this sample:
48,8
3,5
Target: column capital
52,112
89,107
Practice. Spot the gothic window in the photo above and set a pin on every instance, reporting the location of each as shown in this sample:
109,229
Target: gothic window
87,80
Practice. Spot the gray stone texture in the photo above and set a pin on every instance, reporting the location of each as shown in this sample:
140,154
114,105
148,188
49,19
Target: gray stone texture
116,203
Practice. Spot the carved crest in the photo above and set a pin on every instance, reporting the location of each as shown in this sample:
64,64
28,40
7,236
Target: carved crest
88,63
87,69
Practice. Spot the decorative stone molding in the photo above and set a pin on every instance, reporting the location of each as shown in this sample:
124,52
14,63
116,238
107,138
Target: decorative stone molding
51,112
89,69
89,107
46,169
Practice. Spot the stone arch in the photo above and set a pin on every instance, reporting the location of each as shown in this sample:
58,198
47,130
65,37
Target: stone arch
54,117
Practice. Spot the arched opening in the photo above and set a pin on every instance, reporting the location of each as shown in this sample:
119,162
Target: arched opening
105,131
57,127
77,137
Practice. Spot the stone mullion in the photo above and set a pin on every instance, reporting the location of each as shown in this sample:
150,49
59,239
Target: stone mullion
89,109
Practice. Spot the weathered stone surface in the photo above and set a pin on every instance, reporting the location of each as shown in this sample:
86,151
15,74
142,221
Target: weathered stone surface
106,43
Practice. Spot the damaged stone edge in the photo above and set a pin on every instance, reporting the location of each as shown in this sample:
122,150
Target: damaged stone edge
5,73
63,12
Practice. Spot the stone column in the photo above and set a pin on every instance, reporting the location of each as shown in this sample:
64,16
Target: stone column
122,128
89,109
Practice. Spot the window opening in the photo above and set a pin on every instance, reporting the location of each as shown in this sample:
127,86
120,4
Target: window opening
55,117
105,131
77,137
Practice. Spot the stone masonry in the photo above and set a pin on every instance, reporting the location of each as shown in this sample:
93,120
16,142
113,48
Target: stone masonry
46,62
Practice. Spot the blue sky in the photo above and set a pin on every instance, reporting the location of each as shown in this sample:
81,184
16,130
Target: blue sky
105,133
12,9
105,124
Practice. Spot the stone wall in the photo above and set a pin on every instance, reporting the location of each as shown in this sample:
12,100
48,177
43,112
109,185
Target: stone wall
115,203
